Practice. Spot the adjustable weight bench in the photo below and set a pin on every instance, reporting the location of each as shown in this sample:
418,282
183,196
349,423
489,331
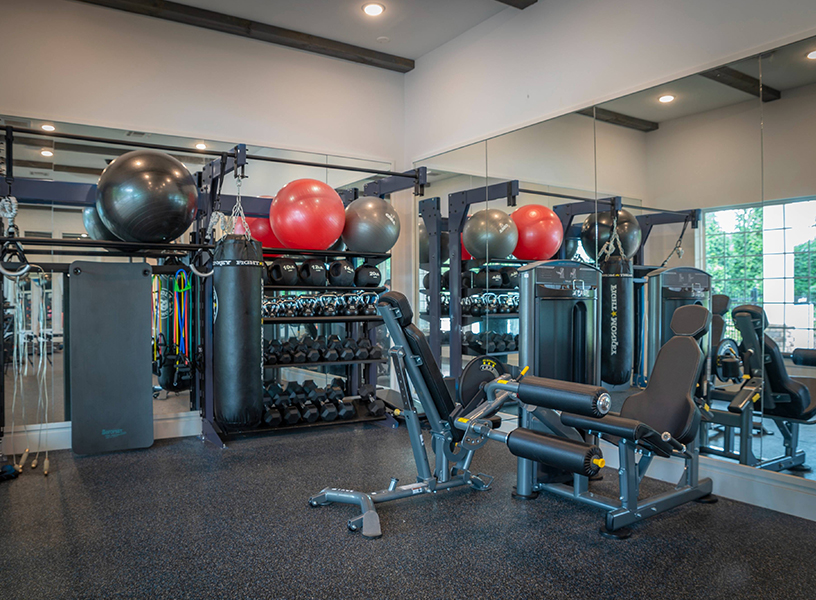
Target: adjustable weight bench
666,405
459,429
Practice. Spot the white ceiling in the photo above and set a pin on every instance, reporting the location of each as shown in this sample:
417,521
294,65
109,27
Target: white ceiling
783,69
414,27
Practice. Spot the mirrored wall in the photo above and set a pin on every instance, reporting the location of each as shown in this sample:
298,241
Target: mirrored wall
716,170
34,382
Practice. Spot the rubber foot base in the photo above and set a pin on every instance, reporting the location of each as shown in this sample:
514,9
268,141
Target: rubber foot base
619,534
801,469
518,496
710,499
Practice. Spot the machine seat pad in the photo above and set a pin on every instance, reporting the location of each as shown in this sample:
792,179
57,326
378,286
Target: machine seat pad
667,403
399,301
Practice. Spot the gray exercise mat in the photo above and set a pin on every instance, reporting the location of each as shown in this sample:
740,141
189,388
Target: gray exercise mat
110,364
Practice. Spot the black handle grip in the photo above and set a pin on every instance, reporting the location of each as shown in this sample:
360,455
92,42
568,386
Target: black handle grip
561,453
578,398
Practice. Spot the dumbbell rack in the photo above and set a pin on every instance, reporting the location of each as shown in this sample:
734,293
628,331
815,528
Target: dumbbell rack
355,326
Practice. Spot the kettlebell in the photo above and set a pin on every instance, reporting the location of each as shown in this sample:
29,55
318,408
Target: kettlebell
368,303
367,276
350,304
328,303
341,273
313,272
476,306
510,277
283,271
287,308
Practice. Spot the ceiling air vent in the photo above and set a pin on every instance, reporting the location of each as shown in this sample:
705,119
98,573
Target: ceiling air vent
15,122
137,134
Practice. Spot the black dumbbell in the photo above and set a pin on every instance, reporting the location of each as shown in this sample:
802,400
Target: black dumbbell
509,342
315,351
336,390
297,396
374,350
317,395
368,396
272,415
270,355
296,349
357,352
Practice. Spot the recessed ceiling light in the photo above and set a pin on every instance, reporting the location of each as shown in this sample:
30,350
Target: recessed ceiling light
372,9
812,55
383,39
666,99
48,128
47,153
201,146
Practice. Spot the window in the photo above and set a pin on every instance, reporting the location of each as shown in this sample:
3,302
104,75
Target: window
767,256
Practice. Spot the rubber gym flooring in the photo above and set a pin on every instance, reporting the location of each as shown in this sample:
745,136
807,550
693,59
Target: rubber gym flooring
186,520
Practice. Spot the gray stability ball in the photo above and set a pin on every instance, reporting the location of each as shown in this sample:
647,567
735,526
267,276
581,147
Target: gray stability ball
490,234
597,229
146,196
424,241
93,224
372,225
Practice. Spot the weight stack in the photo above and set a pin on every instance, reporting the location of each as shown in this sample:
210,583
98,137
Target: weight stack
617,320
237,332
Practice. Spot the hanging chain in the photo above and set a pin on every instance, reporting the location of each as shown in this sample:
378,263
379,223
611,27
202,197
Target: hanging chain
677,249
238,209
613,243
8,210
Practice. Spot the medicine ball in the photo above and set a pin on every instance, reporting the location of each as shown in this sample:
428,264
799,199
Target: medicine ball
283,271
487,279
341,273
510,277
597,229
367,276
312,272
146,196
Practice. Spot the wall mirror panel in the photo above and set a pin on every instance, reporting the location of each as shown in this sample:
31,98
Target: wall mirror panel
35,390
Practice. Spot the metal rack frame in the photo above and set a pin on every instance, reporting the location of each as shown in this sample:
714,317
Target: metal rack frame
209,180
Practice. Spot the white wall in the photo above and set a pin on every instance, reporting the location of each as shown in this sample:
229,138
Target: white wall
74,62
522,67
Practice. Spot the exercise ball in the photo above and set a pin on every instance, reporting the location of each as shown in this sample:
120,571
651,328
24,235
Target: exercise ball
597,228
260,229
372,225
338,246
465,254
424,247
94,226
307,214
489,234
571,246
146,196
539,232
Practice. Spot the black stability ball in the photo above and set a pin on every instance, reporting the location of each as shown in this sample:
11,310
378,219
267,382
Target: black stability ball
146,196
597,229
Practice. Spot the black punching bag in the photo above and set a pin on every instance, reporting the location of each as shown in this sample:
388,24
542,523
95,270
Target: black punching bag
237,336
617,320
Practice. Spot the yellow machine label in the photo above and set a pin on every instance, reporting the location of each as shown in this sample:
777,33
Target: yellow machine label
462,420
502,381
755,398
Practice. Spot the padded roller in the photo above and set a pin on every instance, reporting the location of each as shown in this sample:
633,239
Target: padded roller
578,398
804,357
621,427
561,453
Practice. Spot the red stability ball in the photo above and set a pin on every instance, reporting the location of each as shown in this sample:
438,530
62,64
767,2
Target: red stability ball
307,214
260,229
465,254
539,232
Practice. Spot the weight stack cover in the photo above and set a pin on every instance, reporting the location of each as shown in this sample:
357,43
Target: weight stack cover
237,331
617,321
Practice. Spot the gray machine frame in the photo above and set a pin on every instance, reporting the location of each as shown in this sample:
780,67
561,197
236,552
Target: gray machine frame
627,509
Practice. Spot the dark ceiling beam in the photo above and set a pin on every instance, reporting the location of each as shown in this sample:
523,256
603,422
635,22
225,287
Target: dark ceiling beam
520,4
615,118
35,164
100,150
742,82
208,19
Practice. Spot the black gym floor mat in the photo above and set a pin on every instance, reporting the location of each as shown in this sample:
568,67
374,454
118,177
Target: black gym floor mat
187,520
